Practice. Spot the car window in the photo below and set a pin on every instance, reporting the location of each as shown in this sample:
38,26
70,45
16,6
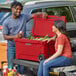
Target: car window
36,10
74,8
74,12
30,23
60,11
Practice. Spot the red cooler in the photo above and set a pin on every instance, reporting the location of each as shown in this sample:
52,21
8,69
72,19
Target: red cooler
36,50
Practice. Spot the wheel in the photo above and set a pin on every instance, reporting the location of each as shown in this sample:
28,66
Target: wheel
41,57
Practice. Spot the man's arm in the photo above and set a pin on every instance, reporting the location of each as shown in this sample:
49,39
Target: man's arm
44,15
8,37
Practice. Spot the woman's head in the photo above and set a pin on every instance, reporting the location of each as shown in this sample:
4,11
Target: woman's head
60,25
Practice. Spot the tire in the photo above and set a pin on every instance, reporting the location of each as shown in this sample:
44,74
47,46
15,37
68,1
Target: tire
41,57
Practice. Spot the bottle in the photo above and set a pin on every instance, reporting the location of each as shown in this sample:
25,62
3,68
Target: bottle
14,71
4,72
30,35
20,34
10,72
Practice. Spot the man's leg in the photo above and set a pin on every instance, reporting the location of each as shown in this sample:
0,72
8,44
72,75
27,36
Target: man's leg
10,55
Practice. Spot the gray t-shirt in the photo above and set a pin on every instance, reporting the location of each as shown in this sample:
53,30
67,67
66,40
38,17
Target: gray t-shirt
14,26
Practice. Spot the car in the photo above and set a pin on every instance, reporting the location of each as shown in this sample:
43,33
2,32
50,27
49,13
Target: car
55,7
58,8
4,13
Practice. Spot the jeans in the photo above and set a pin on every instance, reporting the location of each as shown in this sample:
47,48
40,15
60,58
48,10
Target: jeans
59,61
10,56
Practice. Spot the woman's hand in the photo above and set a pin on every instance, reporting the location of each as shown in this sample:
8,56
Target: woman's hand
46,61
44,15
52,38
49,40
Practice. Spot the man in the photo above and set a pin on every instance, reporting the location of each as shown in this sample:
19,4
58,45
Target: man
12,27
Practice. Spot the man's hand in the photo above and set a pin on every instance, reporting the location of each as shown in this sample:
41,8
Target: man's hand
20,34
44,15
8,37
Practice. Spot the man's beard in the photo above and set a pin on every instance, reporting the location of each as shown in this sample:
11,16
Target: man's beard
16,15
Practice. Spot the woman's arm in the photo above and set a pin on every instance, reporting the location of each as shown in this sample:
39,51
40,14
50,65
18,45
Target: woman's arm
52,38
58,53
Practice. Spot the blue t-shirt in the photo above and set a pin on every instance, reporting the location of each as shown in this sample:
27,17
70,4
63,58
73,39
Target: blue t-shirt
14,26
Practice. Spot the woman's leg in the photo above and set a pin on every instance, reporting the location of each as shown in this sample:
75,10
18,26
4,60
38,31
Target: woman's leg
40,70
59,61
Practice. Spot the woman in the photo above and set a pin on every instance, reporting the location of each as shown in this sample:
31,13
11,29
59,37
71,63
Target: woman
63,54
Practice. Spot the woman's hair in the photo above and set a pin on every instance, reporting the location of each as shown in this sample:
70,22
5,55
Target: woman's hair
15,4
61,26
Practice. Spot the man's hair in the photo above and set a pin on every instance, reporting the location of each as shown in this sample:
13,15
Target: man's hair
15,4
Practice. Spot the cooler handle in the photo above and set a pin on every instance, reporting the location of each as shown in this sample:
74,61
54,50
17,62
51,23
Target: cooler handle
27,44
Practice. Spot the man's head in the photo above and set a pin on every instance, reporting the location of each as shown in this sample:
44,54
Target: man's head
16,8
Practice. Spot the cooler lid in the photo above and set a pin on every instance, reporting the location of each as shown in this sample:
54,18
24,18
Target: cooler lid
43,26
